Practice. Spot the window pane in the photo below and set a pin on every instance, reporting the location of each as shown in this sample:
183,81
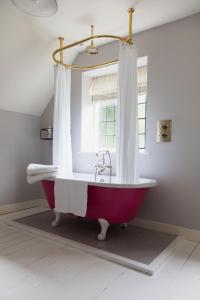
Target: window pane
102,116
110,142
114,141
110,116
110,128
102,141
106,127
142,141
141,98
102,128
141,126
141,110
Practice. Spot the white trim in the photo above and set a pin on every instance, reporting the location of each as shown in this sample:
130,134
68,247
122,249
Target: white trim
21,213
141,151
147,269
12,207
44,203
144,152
187,233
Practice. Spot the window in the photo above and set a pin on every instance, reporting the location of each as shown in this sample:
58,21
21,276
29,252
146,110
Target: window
142,93
99,100
106,125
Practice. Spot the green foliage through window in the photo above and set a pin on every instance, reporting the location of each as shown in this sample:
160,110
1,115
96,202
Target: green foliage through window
107,130
107,124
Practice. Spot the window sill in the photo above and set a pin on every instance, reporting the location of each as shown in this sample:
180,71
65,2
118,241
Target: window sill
144,152
141,151
94,152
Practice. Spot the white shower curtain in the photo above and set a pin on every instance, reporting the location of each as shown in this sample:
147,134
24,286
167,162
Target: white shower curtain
62,152
127,152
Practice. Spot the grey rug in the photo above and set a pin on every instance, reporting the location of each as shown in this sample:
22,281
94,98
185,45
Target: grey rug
135,243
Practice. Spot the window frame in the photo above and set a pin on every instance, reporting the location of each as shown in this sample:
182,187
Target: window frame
86,98
105,104
145,126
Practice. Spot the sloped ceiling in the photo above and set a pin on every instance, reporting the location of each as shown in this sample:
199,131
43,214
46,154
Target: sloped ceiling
26,68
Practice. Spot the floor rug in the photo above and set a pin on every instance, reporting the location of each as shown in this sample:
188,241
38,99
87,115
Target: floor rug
133,244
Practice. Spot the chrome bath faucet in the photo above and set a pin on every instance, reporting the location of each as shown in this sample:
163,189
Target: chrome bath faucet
103,164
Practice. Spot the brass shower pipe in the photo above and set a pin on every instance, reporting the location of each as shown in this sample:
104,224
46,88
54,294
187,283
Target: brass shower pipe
128,40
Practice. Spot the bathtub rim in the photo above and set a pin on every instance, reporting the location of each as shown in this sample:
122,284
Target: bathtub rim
144,182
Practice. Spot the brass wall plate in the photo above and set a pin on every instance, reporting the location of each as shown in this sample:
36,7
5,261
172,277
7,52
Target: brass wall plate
164,131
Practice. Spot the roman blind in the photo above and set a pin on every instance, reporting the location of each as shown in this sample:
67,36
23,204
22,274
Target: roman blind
106,87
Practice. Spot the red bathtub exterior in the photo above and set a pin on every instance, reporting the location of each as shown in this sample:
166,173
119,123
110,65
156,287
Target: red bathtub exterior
116,205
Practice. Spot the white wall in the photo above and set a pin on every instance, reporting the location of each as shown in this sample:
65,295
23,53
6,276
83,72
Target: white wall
173,93
19,146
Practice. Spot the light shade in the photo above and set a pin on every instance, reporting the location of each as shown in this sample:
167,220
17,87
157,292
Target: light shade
37,8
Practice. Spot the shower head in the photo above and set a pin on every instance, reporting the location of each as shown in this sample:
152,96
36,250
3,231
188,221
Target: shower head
92,49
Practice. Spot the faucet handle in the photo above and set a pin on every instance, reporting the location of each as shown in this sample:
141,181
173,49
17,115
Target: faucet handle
108,166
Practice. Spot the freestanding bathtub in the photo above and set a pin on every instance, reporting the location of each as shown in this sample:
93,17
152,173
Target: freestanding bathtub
108,202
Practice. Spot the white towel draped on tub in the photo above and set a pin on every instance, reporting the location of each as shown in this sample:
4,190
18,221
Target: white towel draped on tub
71,196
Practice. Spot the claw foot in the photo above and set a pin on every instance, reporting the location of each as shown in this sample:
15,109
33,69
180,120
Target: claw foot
124,225
56,221
104,227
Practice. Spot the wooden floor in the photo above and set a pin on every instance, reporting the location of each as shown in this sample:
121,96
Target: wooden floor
32,267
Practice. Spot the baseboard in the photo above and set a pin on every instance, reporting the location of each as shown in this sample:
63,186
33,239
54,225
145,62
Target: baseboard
12,207
190,234
44,203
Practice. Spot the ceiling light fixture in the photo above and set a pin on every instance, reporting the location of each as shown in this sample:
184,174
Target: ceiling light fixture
37,8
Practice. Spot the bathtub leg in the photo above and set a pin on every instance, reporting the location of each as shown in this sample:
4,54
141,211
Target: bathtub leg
104,227
124,225
56,221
